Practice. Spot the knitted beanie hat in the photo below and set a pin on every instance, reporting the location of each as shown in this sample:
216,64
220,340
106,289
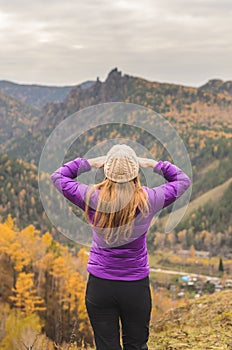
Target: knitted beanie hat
121,164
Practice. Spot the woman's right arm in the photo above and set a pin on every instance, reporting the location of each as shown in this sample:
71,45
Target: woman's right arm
177,183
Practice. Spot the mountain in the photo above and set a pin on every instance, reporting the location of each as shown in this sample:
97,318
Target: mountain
201,117
38,95
20,107
113,89
174,101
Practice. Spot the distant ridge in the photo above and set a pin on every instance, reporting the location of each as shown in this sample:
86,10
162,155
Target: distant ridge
38,95
217,86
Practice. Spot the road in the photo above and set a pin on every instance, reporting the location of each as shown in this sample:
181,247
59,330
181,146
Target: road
171,272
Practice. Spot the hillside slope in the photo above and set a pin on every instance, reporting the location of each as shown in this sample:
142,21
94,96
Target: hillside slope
16,117
213,196
201,324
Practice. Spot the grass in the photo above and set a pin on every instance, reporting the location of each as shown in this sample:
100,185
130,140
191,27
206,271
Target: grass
201,324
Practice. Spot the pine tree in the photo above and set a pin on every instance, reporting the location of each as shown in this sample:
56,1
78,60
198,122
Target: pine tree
221,268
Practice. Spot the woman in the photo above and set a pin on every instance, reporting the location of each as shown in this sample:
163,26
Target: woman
120,211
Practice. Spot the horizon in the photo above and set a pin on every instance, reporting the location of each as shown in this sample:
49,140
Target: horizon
102,80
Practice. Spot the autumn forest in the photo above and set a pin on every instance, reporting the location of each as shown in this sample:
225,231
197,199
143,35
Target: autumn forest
43,274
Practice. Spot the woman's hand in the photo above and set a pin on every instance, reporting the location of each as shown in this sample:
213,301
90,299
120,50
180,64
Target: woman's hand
147,162
97,162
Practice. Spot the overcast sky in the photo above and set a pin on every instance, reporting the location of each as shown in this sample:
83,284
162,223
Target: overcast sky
60,42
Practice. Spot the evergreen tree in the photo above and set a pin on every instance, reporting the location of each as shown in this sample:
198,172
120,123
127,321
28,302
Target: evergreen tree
221,268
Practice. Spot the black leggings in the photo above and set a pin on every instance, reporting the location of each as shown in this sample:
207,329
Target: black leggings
108,301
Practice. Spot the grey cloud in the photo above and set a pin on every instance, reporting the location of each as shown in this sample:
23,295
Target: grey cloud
184,40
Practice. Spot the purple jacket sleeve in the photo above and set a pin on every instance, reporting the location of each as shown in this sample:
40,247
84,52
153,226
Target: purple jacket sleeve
63,180
177,183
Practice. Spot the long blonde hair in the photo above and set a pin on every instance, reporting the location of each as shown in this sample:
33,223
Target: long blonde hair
116,207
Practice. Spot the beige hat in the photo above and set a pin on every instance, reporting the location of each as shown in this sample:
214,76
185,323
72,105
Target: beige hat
121,164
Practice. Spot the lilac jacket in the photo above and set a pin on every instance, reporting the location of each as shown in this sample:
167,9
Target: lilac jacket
128,261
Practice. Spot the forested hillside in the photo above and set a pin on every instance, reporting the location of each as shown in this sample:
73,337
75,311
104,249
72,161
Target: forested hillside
207,228
19,192
202,117
37,95
42,287
16,118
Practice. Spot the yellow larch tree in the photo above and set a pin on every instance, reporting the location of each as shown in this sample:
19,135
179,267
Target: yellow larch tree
25,297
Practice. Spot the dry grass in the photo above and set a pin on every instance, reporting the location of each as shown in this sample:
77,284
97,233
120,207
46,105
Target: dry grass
201,324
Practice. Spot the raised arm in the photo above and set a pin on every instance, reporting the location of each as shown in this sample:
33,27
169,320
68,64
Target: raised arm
177,183
63,180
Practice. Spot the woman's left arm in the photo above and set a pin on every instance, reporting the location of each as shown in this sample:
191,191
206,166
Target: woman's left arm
63,180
